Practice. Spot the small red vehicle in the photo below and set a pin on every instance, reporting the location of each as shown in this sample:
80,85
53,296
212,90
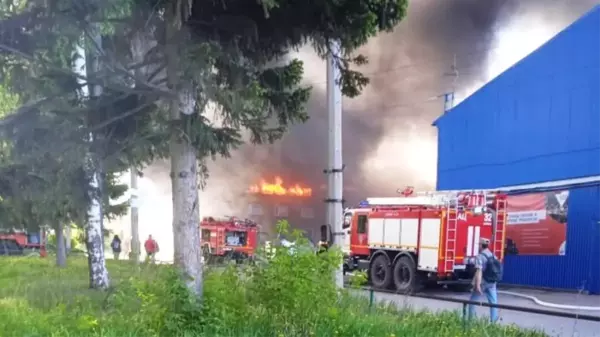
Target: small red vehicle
228,238
16,242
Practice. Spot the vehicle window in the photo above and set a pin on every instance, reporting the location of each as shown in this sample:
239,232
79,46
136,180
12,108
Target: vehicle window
205,235
236,238
347,220
362,224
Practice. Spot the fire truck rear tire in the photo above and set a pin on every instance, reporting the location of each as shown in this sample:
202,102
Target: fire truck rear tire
380,272
406,276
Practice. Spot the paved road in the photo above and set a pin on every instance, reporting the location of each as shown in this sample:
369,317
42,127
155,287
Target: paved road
553,326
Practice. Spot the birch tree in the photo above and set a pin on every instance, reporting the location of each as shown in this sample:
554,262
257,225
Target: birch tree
38,40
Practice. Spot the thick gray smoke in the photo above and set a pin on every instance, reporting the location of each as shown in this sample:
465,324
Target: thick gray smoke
388,138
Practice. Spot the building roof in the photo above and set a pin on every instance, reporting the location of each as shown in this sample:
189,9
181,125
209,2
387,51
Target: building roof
593,14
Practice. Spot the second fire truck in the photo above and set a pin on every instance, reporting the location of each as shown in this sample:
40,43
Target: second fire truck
228,238
408,241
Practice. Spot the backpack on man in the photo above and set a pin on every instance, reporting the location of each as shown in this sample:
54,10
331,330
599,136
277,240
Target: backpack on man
493,270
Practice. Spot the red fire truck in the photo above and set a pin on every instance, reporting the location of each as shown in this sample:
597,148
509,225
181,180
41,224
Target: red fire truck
228,237
16,242
431,237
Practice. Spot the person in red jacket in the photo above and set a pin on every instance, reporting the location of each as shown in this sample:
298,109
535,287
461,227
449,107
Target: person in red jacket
151,249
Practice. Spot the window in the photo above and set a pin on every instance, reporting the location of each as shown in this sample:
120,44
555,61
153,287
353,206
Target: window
205,235
34,238
236,238
281,211
347,220
362,224
307,213
255,210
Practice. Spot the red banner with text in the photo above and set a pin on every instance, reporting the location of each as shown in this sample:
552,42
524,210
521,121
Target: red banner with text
537,224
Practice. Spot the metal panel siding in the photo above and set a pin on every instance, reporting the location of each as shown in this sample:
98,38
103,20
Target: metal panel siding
538,121
578,269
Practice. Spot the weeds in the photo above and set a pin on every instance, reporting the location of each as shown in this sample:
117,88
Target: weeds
292,296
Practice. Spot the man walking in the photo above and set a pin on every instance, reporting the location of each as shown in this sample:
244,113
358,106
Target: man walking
151,249
488,271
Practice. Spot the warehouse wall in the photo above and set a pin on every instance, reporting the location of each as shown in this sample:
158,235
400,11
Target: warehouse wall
536,122
578,269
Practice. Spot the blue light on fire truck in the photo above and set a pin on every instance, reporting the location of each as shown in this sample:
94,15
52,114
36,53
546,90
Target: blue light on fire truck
363,204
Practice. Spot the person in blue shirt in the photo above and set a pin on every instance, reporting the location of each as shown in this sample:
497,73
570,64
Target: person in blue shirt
485,279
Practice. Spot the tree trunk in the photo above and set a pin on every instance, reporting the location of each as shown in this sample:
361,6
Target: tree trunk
93,231
68,236
186,233
184,177
61,249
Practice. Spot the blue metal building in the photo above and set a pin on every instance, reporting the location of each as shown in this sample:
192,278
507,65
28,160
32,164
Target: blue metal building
538,122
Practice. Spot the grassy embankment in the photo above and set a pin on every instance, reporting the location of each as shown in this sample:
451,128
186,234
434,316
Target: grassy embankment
290,298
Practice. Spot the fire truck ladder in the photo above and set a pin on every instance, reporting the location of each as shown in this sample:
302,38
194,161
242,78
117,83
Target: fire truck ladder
498,248
451,227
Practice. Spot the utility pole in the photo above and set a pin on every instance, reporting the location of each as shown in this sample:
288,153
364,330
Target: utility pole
335,167
448,101
449,96
135,235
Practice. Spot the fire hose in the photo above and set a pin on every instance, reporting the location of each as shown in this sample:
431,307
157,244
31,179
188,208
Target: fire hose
548,304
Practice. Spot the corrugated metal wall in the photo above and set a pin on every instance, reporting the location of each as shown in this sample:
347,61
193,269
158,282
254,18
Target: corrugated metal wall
539,121
579,268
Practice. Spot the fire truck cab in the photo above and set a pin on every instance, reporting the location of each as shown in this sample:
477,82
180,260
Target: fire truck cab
408,241
228,237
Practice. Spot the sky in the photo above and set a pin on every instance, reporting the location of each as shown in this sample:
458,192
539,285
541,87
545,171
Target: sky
388,141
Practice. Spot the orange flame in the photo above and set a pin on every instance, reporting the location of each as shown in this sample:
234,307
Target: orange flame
278,189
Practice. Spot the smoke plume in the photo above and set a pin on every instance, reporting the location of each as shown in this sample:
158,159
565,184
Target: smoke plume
388,140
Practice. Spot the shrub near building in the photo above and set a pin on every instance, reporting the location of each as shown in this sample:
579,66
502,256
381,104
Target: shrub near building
290,296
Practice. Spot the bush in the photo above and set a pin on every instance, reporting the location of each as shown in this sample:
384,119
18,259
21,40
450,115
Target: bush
292,295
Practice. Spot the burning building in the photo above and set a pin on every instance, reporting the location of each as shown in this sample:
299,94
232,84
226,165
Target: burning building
273,199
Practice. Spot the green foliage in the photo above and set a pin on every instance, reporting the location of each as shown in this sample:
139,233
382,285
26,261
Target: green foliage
358,279
51,240
230,58
43,181
8,101
291,296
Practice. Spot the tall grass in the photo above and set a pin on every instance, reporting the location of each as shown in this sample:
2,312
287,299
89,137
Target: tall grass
291,296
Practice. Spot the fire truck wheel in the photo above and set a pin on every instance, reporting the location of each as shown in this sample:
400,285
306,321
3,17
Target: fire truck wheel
406,278
380,272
